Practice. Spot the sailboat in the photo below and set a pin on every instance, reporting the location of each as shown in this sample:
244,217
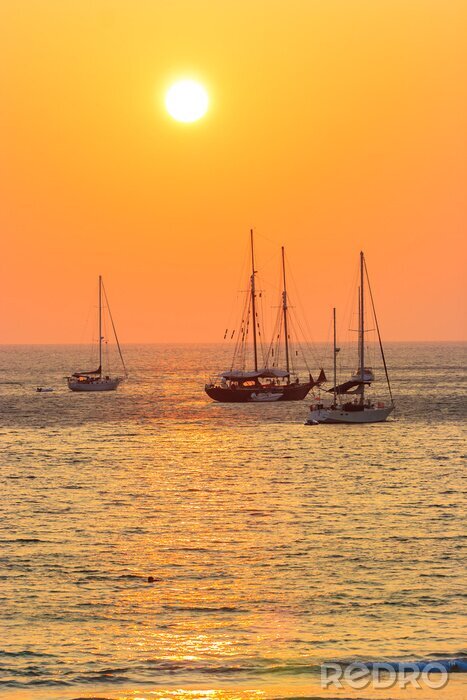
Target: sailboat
350,403
266,384
98,379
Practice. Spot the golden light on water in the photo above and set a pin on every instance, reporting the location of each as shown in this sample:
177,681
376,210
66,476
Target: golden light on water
189,694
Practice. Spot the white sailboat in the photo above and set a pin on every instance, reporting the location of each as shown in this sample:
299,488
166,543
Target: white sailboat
98,379
357,408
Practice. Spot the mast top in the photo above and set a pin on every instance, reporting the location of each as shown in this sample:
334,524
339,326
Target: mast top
284,311
253,301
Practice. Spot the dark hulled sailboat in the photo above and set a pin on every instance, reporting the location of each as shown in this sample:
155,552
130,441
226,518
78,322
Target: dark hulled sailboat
261,384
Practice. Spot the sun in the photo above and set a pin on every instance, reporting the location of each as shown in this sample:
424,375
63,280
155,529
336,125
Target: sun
187,101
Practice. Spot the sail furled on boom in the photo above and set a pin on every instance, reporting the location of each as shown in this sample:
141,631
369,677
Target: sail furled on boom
346,387
87,373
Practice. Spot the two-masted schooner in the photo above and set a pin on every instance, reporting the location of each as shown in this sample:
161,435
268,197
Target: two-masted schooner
260,383
99,379
350,403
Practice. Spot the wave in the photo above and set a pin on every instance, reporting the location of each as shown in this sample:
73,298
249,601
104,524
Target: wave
160,670
26,653
201,609
23,540
50,683
456,664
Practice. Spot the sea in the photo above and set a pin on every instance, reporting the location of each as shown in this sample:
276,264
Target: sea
274,547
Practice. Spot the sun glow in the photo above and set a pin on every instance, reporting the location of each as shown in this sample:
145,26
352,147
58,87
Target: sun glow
187,101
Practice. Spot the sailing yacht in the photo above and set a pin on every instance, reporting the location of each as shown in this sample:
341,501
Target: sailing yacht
350,403
266,384
98,379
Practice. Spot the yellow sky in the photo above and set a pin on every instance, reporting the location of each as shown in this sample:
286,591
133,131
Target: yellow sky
333,126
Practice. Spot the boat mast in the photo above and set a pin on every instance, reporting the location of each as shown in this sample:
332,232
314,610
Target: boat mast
362,331
100,325
335,356
284,311
253,300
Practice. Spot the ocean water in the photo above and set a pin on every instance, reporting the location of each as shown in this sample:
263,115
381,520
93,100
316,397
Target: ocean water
274,546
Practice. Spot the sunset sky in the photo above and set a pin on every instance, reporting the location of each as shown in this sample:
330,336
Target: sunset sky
333,126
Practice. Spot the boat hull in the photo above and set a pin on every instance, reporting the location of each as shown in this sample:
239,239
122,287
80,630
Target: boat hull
100,385
289,392
339,415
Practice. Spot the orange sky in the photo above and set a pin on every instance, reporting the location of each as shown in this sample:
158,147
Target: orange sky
334,125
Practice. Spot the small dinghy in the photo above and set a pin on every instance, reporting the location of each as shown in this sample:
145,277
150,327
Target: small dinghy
44,389
269,396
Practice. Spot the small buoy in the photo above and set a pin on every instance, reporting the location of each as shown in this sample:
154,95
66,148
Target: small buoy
150,579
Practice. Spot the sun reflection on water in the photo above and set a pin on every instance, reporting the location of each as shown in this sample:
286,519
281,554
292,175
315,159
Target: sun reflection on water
200,694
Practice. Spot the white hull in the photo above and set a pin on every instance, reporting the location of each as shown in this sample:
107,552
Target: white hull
339,415
99,385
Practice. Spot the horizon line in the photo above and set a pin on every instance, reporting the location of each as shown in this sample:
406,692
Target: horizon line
215,342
